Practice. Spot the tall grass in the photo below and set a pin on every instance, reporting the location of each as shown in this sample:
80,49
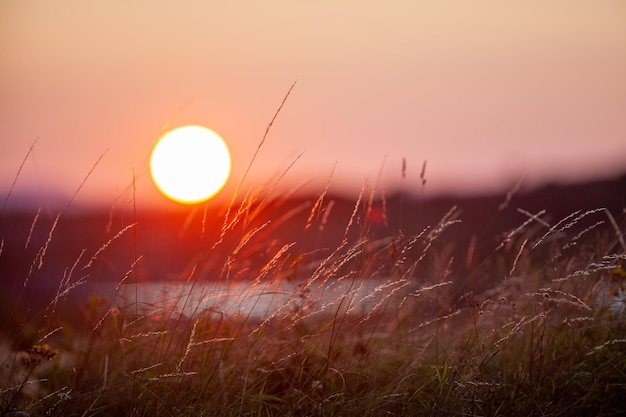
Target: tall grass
542,334
359,319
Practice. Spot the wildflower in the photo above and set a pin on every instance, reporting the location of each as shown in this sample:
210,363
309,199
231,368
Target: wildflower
37,353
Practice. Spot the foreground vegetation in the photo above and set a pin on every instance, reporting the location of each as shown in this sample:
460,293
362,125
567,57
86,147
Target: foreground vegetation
524,320
533,326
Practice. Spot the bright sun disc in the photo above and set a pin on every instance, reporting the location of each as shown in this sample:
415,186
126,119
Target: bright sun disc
190,164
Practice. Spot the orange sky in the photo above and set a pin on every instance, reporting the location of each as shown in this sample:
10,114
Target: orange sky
483,90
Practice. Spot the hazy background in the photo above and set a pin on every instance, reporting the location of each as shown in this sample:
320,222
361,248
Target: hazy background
485,91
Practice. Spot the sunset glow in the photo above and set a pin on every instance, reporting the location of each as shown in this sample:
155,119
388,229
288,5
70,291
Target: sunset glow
487,92
349,207
190,164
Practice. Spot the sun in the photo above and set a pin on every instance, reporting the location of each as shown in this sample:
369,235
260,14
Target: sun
190,164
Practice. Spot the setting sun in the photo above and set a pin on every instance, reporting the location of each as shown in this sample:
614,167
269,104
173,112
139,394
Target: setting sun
190,164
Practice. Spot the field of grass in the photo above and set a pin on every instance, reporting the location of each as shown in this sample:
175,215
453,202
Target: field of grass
377,319
533,326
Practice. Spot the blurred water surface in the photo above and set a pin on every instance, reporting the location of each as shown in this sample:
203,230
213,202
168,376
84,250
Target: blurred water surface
239,299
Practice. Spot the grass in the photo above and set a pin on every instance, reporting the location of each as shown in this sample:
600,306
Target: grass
538,336
361,318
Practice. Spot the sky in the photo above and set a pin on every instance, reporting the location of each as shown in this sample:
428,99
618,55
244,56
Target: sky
485,92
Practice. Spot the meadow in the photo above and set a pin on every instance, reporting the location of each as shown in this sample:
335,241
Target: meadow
291,306
334,314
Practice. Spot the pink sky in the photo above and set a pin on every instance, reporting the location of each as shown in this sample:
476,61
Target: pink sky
485,91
